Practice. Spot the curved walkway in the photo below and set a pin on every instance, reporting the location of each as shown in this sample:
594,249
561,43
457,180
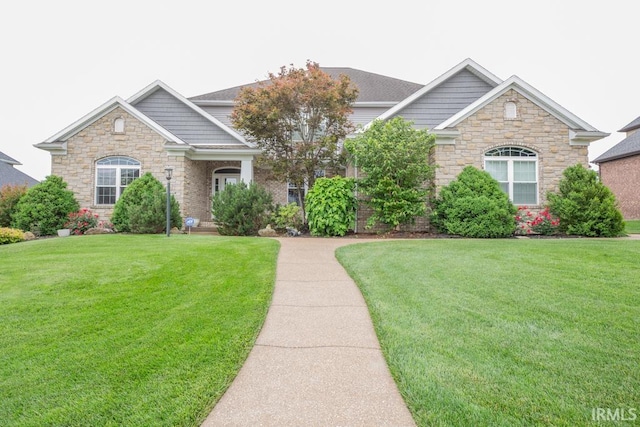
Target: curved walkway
317,360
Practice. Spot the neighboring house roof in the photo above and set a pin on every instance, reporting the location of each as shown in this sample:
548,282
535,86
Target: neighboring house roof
12,176
631,126
372,88
628,147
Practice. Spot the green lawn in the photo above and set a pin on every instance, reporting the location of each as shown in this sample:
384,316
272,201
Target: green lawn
506,332
632,226
127,329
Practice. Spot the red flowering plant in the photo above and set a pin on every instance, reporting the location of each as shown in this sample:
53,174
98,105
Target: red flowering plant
79,222
541,223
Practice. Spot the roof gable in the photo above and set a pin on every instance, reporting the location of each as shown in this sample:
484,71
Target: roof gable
100,112
582,130
467,65
201,122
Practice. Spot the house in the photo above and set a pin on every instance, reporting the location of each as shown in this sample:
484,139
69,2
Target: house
9,175
620,170
523,138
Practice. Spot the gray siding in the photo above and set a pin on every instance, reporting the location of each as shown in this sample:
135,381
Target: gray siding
445,100
363,115
222,113
182,121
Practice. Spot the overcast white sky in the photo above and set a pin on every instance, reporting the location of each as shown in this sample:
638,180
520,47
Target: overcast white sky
62,59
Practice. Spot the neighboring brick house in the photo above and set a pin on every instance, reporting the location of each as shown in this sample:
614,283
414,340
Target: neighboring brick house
620,170
523,138
9,175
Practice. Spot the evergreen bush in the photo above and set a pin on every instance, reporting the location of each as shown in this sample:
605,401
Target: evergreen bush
138,198
10,235
584,205
474,205
241,209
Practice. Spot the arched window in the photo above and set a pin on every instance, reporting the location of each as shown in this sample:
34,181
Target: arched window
118,125
510,110
113,174
516,169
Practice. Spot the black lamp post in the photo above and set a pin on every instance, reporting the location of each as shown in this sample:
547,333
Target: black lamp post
168,171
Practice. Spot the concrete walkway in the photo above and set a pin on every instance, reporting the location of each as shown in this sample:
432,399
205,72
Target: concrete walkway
317,361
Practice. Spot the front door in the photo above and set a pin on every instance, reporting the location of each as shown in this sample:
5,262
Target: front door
222,177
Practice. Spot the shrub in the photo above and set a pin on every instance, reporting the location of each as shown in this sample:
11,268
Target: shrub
10,235
543,223
474,205
45,207
9,197
241,210
287,216
144,190
331,206
149,216
79,222
584,205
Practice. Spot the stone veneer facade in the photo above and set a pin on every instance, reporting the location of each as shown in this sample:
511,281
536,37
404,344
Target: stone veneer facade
622,176
191,184
533,128
98,140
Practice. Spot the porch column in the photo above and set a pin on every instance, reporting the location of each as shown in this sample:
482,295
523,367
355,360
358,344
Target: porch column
246,171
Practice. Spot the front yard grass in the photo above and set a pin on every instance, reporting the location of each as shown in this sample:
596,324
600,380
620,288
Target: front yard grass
127,329
506,332
632,226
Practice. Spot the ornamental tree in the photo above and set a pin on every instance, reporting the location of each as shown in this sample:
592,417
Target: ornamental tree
395,160
298,118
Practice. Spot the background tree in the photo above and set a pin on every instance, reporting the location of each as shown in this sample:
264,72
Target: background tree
10,195
395,161
298,118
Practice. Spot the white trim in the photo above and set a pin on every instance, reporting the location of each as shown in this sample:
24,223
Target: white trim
161,85
446,137
195,153
100,112
532,94
468,63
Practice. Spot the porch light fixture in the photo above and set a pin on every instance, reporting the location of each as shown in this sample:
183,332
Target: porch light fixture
168,172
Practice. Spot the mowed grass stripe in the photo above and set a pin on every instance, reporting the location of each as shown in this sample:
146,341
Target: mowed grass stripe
506,332
127,329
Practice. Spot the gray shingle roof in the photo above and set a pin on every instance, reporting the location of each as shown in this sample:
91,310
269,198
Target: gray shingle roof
12,176
631,126
6,159
629,146
372,87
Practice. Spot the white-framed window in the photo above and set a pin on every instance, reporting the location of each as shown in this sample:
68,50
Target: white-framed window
293,195
113,175
516,169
